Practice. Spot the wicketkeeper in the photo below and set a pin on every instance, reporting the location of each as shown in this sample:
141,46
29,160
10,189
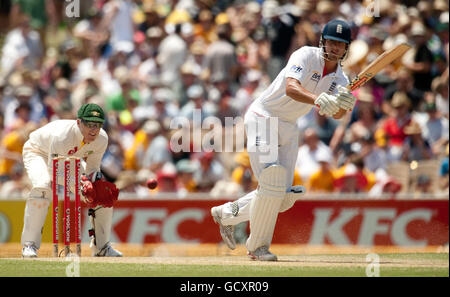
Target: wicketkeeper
312,77
83,138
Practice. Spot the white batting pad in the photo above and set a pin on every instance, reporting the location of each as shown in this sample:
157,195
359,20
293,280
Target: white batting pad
265,206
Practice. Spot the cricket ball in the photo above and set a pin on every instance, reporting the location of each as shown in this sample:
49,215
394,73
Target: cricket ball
152,183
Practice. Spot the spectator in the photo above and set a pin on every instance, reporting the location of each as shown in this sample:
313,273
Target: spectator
196,95
325,127
189,76
28,101
224,107
366,118
149,66
118,18
22,48
353,178
323,180
163,109
385,186
242,173
435,131
209,171
156,154
166,177
280,28
17,186
88,86
394,125
220,62
205,28
423,59
415,147
59,100
172,53
151,16
248,92
130,182
11,148
307,162
440,88
125,101
91,29
423,185
185,170
403,83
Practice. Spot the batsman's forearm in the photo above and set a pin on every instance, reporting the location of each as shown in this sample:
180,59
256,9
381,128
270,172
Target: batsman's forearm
295,90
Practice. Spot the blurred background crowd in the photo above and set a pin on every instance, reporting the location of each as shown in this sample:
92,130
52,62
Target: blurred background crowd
149,61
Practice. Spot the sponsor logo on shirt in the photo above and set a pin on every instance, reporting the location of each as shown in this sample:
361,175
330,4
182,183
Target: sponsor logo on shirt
332,87
316,76
296,69
73,151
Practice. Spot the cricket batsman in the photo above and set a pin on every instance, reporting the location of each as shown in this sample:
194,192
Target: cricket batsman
313,76
83,138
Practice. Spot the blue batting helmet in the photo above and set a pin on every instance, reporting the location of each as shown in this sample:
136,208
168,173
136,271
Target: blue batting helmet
337,30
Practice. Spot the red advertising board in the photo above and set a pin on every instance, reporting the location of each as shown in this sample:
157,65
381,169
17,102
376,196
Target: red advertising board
336,222
361,222
365,223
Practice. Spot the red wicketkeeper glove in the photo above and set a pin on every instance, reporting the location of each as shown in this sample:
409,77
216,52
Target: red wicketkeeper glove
87,189
97,191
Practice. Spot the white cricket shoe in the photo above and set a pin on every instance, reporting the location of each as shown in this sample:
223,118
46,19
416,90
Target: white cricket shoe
262,254
29,250
227,232
108,251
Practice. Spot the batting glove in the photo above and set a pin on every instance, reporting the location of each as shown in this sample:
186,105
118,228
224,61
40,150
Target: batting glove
328,104
345,99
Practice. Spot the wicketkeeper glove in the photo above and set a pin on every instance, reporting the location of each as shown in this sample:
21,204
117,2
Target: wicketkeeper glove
87,187
98,191
345,99
327,104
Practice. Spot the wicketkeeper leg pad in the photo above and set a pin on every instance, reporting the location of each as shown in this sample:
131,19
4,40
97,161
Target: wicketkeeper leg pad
101,220
35,213
265,206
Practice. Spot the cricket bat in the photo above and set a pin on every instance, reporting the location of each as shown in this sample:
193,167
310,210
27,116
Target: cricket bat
373,68
377,65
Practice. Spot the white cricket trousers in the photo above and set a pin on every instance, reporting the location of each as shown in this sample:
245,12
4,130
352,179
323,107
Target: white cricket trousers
269,141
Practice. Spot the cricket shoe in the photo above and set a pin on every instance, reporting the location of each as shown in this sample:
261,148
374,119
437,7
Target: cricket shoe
29,250
227,232
262,254
108,251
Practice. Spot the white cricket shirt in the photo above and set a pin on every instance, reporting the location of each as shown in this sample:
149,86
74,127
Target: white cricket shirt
306,65
63,137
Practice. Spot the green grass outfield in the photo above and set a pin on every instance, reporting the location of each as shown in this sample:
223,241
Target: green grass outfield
390,265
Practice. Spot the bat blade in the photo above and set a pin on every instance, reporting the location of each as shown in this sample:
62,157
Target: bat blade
377,65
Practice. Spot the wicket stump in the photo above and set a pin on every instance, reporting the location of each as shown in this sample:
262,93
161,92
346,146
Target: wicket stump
67,213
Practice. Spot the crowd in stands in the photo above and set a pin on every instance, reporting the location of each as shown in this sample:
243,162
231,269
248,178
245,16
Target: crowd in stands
147,62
